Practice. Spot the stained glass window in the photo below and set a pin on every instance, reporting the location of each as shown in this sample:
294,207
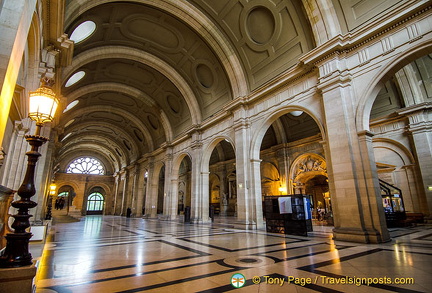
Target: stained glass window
86,165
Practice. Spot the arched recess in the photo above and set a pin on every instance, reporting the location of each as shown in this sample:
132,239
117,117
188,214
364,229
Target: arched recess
270,178
214,192
161,194
68,192
377,82
181,184
308,175
396,165
287,134
95,201
258,136
219,159
395,125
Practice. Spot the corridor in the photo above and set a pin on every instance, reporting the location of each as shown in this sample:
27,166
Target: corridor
118,254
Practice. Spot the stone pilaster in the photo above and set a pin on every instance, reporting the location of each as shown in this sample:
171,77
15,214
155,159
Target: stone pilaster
246,210
420,128
353,181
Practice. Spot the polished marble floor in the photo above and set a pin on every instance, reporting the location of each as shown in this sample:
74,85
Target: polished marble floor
118,254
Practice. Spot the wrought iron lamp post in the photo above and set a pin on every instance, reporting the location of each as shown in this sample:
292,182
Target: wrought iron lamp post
43,105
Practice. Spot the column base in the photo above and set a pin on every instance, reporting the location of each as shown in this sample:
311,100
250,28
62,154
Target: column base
358,235
18,279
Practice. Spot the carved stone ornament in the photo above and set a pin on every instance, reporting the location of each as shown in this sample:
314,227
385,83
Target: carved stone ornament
308,164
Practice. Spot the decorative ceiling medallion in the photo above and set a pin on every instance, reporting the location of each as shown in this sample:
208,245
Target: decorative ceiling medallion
138,135
153,121
174,103
260,25
205,75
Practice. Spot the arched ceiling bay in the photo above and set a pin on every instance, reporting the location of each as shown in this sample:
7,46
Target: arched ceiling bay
155,69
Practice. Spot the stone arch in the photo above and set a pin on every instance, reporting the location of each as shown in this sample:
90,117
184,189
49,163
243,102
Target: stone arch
209,149
392,65
197,21
396,165
205,172
180,189
305,167
147,59
94,206
269,119
323,18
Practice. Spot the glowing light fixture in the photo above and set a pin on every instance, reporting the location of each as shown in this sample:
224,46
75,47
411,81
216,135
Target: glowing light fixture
296,113
43,105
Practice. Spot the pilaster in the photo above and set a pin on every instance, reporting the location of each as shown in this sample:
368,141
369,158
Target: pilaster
246,208
353,180
420,128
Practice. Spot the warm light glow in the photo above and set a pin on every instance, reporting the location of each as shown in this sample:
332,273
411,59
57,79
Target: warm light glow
43,105
282,190
52,188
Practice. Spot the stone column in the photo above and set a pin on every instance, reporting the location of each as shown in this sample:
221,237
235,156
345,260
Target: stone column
140,190
125,178
420,127
15,20
245,200
199,183
151,192
130,188
173,204
353,180
115,201
16,158
256,193
167,204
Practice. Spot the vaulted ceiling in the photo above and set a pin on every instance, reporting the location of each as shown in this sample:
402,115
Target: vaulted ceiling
154,70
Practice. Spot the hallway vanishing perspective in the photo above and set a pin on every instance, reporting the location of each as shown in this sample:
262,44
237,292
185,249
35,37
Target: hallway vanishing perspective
117,254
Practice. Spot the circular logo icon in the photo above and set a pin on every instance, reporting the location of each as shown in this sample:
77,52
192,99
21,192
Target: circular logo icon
238,280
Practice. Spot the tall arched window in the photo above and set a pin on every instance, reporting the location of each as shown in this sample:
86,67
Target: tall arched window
95,203
86,165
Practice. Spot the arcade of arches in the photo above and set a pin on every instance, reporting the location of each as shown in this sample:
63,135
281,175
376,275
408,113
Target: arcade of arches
210,106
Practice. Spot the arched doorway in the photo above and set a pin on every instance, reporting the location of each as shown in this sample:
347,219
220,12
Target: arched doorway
184,184
309,176
223,180
95,203
161,191
64,199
